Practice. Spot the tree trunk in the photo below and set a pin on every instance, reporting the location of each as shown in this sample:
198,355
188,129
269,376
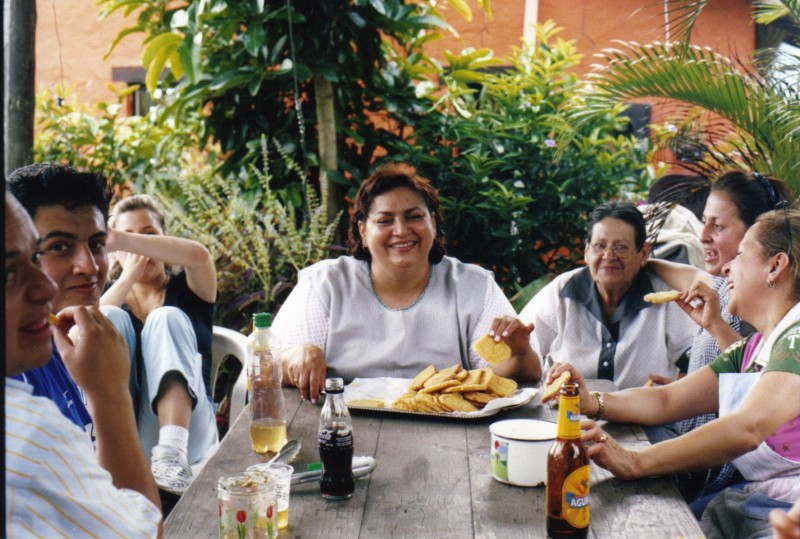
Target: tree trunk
19,33
326,127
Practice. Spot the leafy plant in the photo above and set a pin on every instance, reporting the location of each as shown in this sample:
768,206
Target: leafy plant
514,200
284,68
259,244
129,150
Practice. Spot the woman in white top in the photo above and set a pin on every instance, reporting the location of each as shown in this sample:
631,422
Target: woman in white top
397,304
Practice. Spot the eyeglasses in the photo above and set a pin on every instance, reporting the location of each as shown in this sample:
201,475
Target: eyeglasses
783,205
619,250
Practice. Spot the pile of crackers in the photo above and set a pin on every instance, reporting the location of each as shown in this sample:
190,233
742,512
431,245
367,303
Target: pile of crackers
453,390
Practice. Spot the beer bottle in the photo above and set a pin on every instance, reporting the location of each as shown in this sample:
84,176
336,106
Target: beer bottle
336,444
568,471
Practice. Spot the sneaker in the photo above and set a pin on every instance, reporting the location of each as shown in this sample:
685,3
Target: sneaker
170,469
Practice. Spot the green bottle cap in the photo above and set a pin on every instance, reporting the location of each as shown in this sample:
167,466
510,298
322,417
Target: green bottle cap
262,320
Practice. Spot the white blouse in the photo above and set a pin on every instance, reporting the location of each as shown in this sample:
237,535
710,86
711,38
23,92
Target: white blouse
641,339
335,308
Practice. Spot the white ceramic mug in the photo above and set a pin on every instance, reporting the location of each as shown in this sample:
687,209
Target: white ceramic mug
519,451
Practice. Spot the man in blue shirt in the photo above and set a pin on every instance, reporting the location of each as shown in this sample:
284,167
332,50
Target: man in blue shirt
73,254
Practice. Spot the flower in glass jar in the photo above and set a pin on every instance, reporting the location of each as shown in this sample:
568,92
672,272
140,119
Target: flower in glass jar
269,512
241,516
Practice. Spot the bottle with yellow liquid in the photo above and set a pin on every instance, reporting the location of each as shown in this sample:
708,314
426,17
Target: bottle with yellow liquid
568,471
268,412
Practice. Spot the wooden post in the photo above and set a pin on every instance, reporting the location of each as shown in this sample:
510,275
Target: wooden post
328,157
19,37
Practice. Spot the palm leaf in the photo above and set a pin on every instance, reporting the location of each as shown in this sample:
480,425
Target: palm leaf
657,212
762,122
768,11
683,15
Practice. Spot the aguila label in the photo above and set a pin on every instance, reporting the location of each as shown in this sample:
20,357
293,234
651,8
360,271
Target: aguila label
575,497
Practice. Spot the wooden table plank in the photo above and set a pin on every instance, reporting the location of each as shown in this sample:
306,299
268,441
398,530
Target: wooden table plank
432,479
419,495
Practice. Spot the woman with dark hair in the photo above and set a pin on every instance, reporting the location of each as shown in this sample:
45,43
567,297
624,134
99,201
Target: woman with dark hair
736,200
398,304
596,318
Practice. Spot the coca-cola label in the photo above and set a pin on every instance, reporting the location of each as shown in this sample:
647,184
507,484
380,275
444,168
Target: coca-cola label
575,497
335,439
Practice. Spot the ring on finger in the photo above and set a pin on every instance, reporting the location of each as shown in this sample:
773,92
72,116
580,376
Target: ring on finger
603,438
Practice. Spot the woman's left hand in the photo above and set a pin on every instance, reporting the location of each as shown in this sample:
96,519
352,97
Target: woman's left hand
606,452
513,332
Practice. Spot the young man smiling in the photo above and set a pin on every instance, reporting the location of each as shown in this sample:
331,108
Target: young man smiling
73,254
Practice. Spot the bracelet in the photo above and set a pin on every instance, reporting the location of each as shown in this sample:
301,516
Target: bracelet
601,407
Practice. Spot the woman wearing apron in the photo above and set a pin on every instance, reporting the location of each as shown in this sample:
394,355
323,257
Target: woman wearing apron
758,400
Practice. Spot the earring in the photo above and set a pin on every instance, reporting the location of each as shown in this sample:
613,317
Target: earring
770,284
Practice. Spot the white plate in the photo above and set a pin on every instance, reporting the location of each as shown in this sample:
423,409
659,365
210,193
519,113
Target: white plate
389,389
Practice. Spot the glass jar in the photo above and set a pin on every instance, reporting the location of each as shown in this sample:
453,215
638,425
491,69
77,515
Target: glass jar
247,507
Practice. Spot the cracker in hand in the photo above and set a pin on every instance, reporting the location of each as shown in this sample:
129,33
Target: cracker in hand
554,387
490,350
662,297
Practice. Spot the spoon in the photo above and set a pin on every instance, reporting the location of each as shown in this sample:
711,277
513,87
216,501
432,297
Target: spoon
289,451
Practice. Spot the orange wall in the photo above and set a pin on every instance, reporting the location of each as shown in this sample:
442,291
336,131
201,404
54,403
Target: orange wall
595,24
83,42
725,25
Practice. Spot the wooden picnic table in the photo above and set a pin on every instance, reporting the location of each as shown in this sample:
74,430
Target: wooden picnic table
432,479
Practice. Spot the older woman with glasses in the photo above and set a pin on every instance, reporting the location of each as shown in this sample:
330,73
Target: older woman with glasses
596,318
754,385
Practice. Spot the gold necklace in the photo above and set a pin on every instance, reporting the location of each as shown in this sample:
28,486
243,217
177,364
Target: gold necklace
136,306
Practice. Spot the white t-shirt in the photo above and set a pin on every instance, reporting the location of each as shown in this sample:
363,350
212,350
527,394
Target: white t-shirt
334,307
642,338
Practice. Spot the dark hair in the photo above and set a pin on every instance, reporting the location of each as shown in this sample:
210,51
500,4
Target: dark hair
773,234
384,179
688,190
624,211
751,193
50,184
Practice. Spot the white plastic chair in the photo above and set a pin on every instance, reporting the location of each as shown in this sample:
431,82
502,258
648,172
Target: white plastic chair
226,342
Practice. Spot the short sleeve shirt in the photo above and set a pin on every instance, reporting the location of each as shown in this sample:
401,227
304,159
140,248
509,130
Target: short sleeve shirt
335,308
784,357
641,339
52,380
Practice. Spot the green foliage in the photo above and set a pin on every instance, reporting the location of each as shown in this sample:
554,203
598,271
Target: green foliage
259,245
129,150
755,123
514,200
239,60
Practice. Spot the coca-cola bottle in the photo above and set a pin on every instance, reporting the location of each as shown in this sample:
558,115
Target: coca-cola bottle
336,444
